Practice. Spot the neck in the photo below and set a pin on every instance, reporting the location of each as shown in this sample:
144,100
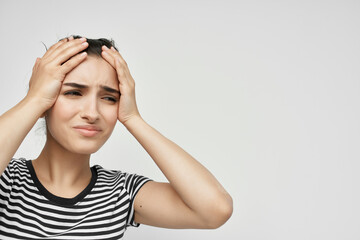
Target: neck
58,167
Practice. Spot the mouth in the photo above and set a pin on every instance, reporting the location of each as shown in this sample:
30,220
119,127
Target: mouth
87,131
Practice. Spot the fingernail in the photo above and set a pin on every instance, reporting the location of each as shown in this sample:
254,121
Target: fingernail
112,48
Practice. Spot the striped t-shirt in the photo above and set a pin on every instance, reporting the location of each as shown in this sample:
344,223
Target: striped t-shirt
102,210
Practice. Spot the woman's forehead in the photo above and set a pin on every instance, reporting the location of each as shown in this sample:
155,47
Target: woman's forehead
94,71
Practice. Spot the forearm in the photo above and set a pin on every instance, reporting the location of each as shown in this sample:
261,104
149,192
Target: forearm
14,126
196,186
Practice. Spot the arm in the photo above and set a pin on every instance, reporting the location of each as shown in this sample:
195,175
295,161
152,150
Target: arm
14,126
44,86
193,198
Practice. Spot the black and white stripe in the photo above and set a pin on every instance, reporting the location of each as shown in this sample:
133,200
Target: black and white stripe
102,210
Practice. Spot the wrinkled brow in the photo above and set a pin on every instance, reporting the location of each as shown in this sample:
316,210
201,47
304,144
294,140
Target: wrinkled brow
106,88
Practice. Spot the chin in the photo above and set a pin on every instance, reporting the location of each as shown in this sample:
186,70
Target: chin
84,148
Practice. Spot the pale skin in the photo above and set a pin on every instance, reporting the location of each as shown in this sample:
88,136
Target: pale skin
192,197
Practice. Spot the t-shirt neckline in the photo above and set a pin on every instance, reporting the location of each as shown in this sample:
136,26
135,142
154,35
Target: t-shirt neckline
61,200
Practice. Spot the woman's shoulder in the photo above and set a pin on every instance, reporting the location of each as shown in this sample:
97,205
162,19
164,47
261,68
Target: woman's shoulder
15,166
20,160
122,177
16,163
107,175
106,171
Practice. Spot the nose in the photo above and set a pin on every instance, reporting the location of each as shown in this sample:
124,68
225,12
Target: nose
89,110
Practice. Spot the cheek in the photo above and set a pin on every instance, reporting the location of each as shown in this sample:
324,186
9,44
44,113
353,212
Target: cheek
60,111
110,115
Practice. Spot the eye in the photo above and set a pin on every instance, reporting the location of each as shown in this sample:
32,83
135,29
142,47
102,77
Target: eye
111,99
73,93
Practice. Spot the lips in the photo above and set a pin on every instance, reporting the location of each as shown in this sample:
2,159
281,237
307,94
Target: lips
87,130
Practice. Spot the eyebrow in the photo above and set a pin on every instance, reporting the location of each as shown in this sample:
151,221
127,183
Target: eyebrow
106,88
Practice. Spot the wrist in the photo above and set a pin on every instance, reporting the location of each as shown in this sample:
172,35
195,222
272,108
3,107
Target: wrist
133,121
37,106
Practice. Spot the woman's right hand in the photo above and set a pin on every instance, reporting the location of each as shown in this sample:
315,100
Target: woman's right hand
49,71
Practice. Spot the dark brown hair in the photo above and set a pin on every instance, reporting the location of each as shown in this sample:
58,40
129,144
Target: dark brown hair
95,45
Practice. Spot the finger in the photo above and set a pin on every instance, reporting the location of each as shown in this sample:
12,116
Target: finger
73,62
36,63
115,64
68,50
70,42
114,53
71,51
114,56
55,46
65,40
109,58
121,72
117,52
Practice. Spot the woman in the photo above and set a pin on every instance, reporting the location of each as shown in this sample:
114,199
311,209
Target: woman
82,87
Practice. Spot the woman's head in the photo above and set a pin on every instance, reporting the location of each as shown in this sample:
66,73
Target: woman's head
85,112
94,48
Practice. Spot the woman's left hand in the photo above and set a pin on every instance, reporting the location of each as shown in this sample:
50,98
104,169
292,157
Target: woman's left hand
127,102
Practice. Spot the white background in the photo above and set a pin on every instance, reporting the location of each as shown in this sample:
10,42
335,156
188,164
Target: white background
265,94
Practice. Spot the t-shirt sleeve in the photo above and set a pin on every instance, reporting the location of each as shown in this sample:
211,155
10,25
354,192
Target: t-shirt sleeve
6,180
133,183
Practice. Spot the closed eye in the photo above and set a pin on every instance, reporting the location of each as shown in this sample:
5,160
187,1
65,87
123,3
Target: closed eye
110,99
76,93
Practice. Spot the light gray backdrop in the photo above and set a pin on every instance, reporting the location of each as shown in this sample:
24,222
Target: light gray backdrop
265,94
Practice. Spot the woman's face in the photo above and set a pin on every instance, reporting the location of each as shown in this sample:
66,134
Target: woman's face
85,112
